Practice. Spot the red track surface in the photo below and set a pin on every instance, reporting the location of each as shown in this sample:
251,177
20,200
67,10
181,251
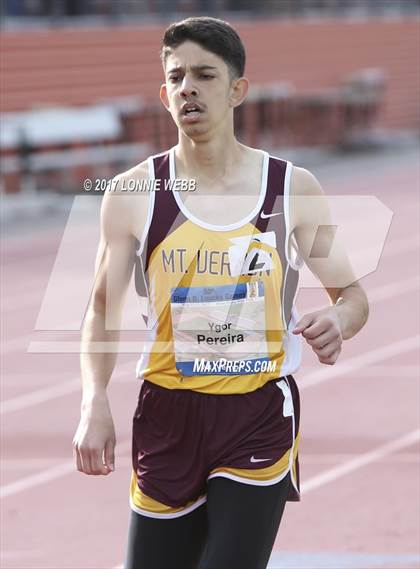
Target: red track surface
69,520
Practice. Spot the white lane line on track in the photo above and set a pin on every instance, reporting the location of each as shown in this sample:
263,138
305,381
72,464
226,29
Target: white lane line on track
50,474
73,347
397,288
357,362
405,371
48,393
376,294
384,292
23,302
29,463
12,554
313,379
362,460
10,464
325,458
390,290
36,479
395,246
40,396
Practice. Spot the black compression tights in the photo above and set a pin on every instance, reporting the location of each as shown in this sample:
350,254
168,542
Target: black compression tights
236,527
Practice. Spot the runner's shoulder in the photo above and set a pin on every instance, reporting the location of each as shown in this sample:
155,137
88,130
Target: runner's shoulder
308,202
125,206
304,183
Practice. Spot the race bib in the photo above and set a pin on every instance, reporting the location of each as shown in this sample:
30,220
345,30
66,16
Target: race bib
220,330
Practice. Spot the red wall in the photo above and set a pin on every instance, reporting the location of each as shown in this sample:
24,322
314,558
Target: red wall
81,66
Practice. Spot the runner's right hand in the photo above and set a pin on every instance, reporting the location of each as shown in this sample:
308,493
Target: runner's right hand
94,441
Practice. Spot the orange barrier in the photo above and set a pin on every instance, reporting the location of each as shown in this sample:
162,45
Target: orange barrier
81,66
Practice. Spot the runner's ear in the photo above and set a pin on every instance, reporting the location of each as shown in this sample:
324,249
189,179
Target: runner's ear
163,94
238,91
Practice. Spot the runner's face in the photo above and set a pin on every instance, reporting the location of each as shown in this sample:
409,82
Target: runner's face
198,91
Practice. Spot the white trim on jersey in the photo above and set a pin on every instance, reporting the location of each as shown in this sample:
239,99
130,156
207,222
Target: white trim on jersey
249,480
143,361
247,219
290,242
292,345
150,209
291,458
283,312
156,515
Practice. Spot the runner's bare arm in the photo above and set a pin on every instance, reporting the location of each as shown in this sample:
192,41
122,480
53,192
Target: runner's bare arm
123,217
325,330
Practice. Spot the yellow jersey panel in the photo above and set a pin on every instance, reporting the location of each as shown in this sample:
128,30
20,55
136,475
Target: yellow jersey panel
220,298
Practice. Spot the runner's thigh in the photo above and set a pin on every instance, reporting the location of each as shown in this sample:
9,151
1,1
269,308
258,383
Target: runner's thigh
175,543
243,521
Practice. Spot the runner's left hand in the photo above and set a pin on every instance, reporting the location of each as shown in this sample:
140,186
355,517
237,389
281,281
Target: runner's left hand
322,331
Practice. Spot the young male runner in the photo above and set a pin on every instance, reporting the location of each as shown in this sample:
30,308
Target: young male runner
216,428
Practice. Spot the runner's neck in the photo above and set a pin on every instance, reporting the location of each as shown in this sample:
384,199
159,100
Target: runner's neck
212,161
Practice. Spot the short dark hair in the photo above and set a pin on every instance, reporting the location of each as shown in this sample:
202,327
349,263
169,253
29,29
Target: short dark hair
212,34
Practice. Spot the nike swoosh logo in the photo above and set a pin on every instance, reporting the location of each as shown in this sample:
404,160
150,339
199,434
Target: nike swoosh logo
253,459
266,215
